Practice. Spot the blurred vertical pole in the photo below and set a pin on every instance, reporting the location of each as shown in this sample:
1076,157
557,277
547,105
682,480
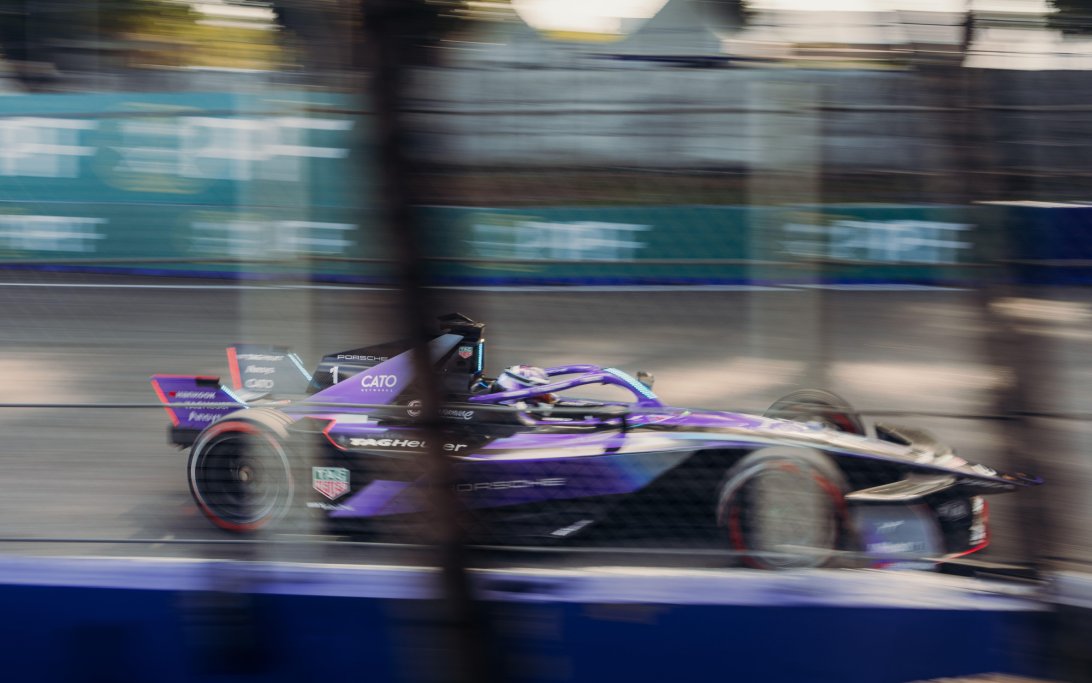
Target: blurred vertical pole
783,188
973,160
397,35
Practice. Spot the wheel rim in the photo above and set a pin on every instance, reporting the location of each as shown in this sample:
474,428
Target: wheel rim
785,517
241,481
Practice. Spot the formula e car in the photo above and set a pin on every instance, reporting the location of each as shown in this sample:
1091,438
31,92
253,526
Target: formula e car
795,486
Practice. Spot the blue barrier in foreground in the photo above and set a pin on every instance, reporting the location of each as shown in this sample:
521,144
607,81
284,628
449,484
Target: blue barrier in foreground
118,620
1047,243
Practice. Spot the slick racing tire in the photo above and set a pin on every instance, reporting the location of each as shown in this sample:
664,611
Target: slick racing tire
240,472
784,507
815,405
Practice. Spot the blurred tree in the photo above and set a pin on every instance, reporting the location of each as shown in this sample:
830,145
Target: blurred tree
43,41
323,34
320,33
726,13
1072,16
40,37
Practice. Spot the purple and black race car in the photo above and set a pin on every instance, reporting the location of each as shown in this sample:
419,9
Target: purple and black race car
792,487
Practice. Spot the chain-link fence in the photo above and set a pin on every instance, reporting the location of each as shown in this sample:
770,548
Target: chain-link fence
602,167
663,259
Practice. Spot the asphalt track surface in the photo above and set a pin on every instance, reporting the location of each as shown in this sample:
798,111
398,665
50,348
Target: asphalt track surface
107,476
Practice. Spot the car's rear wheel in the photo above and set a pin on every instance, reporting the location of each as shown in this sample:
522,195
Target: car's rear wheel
784,507
240,474
816,405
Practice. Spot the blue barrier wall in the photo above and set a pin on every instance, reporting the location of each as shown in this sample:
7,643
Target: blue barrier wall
1047,243
113,620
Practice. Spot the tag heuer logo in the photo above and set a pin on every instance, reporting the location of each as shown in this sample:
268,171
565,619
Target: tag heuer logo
331,482
466,352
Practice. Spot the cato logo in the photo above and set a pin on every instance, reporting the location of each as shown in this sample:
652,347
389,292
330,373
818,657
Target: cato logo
376,382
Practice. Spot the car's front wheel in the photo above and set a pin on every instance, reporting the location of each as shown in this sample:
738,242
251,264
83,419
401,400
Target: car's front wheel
784,507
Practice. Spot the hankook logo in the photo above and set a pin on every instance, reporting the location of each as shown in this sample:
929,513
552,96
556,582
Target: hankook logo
260,357
201,395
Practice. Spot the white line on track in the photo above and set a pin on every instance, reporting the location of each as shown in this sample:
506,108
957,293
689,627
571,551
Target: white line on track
883,288
108,285
538,289
603,585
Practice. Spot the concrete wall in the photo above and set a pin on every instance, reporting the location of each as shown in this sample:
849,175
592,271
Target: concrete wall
649,115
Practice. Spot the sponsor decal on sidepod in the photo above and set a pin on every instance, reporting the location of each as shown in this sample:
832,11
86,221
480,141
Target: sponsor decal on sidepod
414,410
369,442
332,482
376,382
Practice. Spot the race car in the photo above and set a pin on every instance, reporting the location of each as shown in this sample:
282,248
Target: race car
804,484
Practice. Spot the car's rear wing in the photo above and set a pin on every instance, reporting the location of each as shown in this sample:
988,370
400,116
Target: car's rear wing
193,403
267,369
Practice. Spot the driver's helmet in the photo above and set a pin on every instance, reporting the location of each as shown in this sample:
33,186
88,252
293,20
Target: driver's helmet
524,377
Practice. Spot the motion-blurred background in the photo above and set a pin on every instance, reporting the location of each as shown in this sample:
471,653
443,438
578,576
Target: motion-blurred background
884,198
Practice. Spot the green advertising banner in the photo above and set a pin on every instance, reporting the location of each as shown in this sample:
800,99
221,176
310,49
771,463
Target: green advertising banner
276,185
203,183
711,244
194,239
